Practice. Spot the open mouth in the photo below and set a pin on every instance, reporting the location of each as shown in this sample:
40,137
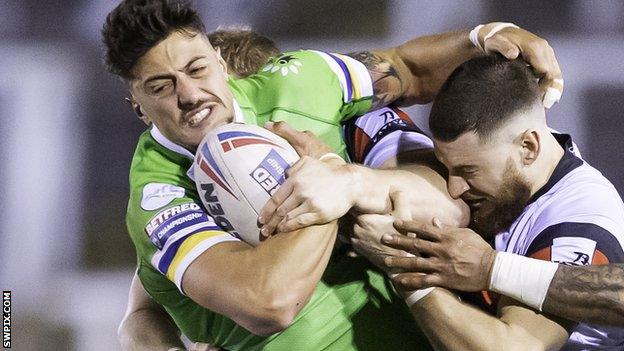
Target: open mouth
198,117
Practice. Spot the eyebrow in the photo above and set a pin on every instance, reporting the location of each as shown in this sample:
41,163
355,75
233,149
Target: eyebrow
167,76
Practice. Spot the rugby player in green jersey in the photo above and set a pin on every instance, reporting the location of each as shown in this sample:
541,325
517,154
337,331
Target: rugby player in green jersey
216,288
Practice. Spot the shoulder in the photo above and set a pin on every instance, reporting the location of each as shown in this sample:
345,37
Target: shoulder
584,195
581,221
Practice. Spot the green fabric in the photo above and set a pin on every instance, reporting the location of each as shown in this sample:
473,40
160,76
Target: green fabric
353,307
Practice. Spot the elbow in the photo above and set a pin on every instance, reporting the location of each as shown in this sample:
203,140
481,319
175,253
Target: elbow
274,315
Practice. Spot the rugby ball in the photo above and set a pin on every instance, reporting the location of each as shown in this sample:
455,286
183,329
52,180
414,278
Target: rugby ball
237,169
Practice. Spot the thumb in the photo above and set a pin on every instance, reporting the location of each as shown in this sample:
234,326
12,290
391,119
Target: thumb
400,206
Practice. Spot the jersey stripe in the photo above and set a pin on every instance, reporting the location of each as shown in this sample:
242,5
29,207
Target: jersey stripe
179,236
347,76
353,76
191,249
360,76
357,93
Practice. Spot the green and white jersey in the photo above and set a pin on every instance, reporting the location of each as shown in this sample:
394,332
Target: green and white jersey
353,306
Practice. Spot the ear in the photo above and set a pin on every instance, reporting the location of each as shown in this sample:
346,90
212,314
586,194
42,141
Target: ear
530,143
137,110
222,62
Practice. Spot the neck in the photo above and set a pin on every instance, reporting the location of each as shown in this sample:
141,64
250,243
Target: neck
550,155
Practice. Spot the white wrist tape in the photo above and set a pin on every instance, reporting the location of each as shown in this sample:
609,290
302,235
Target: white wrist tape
522,278
330,156
474,34
474,37
417,295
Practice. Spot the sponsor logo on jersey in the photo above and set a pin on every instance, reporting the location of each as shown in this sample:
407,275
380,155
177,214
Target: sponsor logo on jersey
157,195
214,208
284,64
207,164
573,250
270,173
236,139
173,219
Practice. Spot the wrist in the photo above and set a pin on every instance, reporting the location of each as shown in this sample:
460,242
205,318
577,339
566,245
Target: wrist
359,180
522,278
487,266
481,33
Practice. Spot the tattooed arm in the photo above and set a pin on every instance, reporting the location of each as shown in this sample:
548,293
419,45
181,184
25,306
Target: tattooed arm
414,71
588,294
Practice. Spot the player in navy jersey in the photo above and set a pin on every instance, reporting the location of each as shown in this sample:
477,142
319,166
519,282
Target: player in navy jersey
529,194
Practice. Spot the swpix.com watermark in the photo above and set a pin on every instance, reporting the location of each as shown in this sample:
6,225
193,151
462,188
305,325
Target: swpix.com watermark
6,319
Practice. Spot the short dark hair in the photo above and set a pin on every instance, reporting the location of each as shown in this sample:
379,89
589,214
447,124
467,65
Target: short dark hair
135,26
481,95
244,50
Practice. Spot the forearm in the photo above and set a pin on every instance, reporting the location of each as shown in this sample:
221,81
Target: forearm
148,329
295,261
428,197
593,294
426,62
262,288
452,325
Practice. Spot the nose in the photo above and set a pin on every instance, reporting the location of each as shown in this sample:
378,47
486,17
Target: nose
456,186
188,93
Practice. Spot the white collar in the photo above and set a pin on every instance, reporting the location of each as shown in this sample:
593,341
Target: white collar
162,140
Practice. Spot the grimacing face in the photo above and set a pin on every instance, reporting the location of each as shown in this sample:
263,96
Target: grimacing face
181,86
486,176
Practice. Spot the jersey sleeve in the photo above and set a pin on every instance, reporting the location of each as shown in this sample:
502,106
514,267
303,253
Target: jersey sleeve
322,86
576,244
166,220
379,135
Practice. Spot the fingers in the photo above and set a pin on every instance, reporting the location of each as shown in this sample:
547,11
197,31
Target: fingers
503,46
400,209
411,264
284,130
536,52
552,88
415,281
283,211
399,242
422,230
301,221
267,212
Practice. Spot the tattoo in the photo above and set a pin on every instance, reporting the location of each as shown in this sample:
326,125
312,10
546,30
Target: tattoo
588,294
387,84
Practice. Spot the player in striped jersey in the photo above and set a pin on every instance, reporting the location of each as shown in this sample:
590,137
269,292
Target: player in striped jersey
530,195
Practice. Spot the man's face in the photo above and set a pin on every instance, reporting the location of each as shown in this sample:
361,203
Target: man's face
181,86
486,176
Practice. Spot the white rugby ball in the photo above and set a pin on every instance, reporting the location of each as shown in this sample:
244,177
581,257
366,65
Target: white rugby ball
237,169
